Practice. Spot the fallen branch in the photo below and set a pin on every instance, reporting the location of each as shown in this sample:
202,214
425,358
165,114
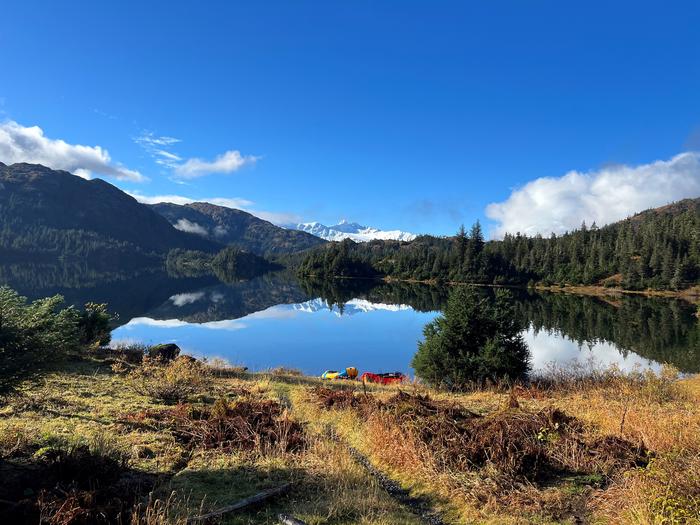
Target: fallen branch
246,502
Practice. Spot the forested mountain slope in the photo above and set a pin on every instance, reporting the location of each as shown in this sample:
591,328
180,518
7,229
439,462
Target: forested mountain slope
236,227
55,213
657,249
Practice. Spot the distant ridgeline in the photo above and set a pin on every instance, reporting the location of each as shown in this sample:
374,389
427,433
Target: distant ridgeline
47,215
237,228
657,249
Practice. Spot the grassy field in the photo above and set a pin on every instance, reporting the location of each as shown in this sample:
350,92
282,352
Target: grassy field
159,443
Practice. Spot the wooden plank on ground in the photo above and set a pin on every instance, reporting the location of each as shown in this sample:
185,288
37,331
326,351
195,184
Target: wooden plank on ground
246,502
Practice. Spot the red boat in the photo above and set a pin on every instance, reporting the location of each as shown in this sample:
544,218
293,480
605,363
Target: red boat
388,378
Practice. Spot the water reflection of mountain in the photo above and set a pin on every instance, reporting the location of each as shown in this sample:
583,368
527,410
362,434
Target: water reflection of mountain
128,294
337,293
659,329
221,302
352,307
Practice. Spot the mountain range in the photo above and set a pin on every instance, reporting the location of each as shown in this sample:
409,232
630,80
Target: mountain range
55,213
52,213
352,230
46,212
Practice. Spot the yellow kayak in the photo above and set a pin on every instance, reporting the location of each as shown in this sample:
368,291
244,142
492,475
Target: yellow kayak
348,373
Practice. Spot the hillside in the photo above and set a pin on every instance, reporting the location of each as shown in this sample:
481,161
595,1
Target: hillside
55,213
655,249
236,227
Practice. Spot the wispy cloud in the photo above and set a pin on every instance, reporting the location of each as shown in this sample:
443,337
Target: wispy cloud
227,162
29,144
559,204
279,218
191,227
160,149
156,145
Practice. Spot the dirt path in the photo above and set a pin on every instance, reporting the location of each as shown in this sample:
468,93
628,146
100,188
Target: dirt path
418,506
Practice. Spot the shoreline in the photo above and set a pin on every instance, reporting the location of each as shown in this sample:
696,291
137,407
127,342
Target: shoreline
690,295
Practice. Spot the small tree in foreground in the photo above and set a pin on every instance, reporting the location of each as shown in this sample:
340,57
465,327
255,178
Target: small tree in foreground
475,340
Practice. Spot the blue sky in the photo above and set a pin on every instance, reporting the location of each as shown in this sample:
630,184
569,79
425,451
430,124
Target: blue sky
411,115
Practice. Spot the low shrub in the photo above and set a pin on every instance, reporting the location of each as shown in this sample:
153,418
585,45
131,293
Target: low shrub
519,444
35,333
170,382
246,424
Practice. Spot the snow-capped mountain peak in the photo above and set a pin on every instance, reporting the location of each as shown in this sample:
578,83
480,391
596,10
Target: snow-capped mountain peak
352,230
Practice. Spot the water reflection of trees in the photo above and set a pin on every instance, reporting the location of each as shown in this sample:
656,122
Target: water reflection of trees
659,329
663,330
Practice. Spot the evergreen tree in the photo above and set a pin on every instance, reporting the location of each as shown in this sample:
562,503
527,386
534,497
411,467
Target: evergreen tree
461,244
473,341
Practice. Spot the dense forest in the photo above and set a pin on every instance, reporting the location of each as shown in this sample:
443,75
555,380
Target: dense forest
657,249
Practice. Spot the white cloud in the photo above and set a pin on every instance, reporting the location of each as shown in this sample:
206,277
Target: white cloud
279,218
157,147
550,204
29,144
147,138
182,299
220,231
191,227
227,162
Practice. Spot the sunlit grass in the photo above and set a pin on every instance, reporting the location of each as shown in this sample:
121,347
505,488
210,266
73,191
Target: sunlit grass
87,402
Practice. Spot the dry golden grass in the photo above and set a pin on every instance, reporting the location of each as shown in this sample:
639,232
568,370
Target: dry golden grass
81,404
661,413
84,404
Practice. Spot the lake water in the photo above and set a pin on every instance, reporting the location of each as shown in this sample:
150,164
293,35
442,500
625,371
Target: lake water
276,320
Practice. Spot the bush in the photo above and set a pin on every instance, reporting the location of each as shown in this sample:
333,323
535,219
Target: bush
475,340
32,333
94,325
171,382
39,325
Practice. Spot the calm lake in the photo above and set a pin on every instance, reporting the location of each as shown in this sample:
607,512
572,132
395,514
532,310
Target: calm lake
277,320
